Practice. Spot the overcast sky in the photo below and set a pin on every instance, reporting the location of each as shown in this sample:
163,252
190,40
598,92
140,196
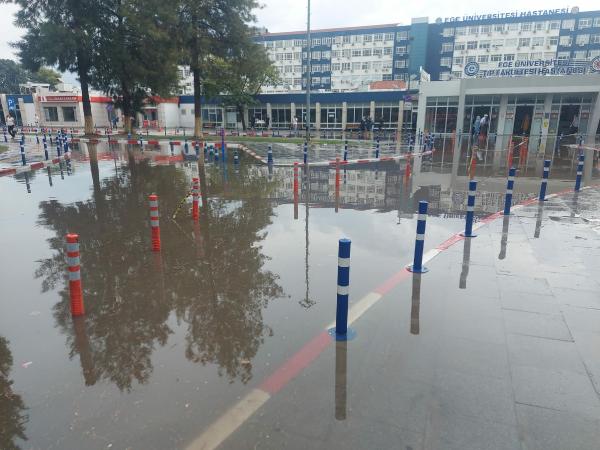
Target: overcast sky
290,15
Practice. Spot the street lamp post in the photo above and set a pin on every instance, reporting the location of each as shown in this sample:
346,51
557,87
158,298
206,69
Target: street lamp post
308,73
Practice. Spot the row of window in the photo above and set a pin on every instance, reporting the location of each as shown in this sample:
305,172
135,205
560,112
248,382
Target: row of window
582,39
345,39
349,53
567,24
68,114
460,60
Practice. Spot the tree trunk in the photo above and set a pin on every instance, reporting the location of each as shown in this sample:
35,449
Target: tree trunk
197,104
240,109
85,100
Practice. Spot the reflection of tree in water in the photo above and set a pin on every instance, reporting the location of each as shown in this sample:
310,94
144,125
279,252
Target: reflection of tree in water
228,293
12,409
129,292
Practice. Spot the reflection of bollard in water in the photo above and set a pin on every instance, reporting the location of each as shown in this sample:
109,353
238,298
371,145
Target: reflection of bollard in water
154,222
509,190
73,261
23,160
49,175
270,155
504,239
544,185
27,185
337,183
579,169
417,265
462,283
346,150
538,222
197,149
377,149
470,211
341,379
305,153
195,198
46,156
415,307
82,346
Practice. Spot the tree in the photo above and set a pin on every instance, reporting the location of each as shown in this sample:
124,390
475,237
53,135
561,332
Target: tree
134,36
205,30
11,75
61,33
46,75
12,409
247,70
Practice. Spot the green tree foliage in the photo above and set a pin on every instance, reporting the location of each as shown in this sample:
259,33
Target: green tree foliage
205,30
12,409
244,73
136,56
46,75
62,34
11,75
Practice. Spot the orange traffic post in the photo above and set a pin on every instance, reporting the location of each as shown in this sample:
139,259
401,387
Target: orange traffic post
473,166
195,199
73,262
295,181
407,170
154,223
511,150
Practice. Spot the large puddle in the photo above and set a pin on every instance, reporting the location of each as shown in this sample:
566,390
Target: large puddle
170,340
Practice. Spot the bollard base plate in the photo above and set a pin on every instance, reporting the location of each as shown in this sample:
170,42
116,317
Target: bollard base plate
472,235
350,334
411,269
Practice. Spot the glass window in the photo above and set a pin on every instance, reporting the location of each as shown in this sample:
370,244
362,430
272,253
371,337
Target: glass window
346,39
513,26
524,42
563,55
584,23
448,32
471,45
378,37
356,52
526,26
471,58
580,54
368,38
595,38
582,39
377,51
553,40
522,56
51,113
400,64
509,57
473,30
568,24
447,47
401,50
554,25
365,65
537,41
456,74
389,36
485,44
496,58
446,62
486,28
482,58
566,41
459,46
366,52
461,31
68,113
597,22
511,42
402,35
387,50
538,26
499,27
458,60
336,66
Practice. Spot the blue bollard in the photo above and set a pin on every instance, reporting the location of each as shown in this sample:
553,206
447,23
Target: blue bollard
236,158
129,136
343,284
58,145
346,151
305,152
417,266
223,143
141,142
377,148
579,170
5,137
45,147
37,138
197,149
186,147
270,154
547,163
65,144
509,190
171,146
470,210
23,154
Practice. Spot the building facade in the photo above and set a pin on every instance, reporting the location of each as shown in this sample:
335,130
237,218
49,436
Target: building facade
517,43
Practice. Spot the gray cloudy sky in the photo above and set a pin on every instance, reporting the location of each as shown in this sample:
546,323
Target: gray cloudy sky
290,15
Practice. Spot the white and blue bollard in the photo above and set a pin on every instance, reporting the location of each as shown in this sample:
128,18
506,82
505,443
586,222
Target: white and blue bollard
186,147
305,152
270,155
58,145
341,332
579,171
236,158
509,190
22,145
470,210
45,147
346,151
417,266
65,144
547,163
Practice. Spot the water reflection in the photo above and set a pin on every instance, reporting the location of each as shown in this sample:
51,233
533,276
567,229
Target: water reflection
538,222
415,303
12,409
210,275
462,284
504,239
341,379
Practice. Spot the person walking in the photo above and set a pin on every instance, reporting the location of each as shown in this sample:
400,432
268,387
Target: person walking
267,122
363,127
10,124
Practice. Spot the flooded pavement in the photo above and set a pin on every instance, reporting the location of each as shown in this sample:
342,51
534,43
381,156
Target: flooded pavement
171,341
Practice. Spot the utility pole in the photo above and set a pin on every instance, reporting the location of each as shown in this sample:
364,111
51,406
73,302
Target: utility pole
308,74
